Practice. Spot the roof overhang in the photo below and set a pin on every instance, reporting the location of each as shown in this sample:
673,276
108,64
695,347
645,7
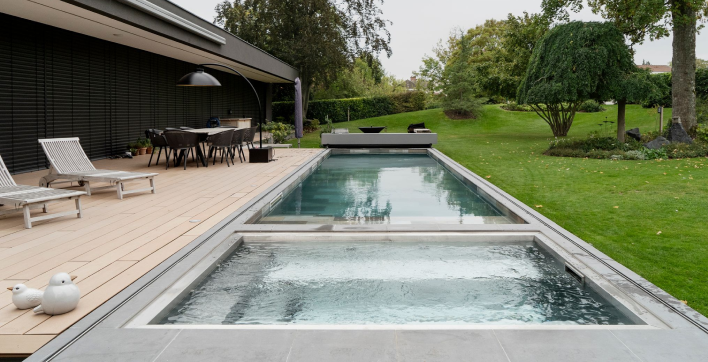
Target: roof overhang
156,26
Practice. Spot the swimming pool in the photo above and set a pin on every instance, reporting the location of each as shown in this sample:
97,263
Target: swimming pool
384,189
392,283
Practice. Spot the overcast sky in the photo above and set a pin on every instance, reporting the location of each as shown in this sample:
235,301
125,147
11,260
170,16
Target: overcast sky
419,24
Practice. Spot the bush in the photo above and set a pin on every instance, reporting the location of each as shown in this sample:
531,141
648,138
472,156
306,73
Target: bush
702,133
596,144
514,107
634,155
280,131
610,148
311,125
685,150
356,108
662,97
702,110
590,106
465,108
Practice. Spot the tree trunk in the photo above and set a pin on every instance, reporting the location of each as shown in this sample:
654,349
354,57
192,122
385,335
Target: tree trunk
683,64
620,119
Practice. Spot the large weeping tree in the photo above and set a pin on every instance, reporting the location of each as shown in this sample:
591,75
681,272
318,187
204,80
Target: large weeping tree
653,19
572,63
319,37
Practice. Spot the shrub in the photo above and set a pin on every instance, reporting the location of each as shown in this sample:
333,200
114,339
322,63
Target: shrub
684,150
702,133
339,110
702,110
456,108
662,97
650,154
590,106
634,155
311,125
514,107
280,131
596,144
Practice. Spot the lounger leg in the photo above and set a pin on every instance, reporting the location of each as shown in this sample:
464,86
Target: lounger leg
78,208
152,184
87,188
119,187
44,208
26,211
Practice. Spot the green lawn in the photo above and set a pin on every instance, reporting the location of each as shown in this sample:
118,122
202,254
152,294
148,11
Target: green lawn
648,215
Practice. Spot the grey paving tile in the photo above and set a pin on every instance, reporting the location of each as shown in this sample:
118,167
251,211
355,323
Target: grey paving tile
448,346
118,345
563,346
343,346
229,345
666,345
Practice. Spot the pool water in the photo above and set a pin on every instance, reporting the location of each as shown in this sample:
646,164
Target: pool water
383,189
392,283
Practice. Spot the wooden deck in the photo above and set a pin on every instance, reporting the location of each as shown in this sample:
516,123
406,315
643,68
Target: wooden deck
116,242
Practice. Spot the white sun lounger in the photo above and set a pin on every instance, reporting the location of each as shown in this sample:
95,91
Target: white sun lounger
25,197
69,162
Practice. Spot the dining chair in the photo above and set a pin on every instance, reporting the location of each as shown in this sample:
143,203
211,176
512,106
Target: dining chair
184,142
157,140
221,141
237,143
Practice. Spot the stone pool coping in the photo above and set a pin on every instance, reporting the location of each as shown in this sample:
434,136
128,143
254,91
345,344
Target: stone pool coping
101,333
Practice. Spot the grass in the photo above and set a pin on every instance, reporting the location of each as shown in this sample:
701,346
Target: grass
647,215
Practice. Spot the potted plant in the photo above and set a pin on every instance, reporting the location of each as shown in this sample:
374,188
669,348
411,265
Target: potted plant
148,145
140,145
133,151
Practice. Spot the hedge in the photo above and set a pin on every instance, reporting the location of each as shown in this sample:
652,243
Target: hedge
663,81
359,108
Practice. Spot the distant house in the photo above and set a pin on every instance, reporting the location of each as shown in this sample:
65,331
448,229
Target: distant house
656,69
412,84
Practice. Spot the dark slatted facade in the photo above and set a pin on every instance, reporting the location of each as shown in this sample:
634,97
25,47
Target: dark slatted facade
56,83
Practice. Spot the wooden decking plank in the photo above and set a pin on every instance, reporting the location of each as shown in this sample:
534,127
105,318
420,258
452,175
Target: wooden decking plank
20,345
118,241
59,323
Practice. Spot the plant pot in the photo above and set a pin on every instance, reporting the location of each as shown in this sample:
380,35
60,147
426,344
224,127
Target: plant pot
148,150
141,151
134,153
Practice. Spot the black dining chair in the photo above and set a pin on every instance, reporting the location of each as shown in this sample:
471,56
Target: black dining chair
250,136
184,142
221,141
157,140
237,144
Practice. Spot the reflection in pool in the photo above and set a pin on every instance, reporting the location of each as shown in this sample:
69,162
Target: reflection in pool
383,189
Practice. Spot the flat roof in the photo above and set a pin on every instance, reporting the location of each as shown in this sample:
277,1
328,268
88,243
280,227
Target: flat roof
156,26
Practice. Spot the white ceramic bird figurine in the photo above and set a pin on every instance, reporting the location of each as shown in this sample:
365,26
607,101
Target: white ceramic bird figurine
61,296
24,297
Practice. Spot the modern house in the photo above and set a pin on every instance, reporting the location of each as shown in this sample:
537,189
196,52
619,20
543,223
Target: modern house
105,71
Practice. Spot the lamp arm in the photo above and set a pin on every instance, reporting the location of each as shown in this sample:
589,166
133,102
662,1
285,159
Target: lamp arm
260,109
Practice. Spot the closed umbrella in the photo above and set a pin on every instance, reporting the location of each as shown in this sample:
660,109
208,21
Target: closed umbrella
298,111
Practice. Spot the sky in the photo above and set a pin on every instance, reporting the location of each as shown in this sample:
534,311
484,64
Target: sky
419,24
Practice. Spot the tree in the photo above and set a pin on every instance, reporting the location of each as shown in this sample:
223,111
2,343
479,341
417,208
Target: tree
521,33
459,85
572,63
360,80
319,37
639,19
632,87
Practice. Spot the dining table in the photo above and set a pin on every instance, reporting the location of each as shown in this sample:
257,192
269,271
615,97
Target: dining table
204,134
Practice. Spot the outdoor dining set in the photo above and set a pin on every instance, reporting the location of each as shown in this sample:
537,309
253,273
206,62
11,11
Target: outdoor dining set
200,143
